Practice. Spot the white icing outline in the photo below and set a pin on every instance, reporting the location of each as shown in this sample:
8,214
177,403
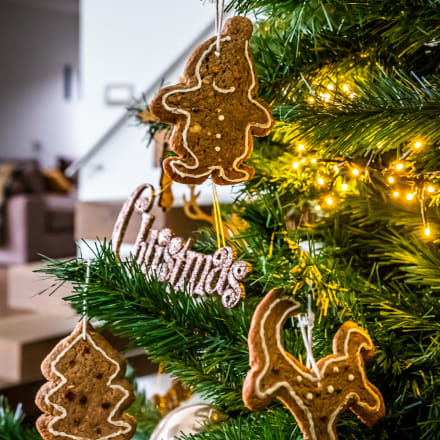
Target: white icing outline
177,110
220,90
263,394
63,411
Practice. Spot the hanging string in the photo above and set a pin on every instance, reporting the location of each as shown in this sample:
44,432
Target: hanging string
164,188
271,245
219,12
218,218
305,324
85,289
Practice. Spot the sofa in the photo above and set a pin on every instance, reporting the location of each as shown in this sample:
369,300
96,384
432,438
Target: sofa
34,222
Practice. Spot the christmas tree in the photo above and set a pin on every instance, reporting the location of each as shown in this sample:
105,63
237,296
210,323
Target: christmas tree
343,207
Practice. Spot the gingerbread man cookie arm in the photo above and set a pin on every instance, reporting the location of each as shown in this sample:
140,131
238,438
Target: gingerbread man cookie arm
170,98
261,113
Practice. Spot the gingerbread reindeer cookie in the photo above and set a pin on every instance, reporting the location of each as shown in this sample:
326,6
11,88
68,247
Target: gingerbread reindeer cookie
315,400
215,111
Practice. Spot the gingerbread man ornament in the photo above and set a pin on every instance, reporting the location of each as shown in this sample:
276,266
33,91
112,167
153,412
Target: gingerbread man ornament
314,400
215,111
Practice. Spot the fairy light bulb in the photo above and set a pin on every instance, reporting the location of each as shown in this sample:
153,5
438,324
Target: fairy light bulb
295,165
321,181
301,147
427,231
430,189
331,87
311,99
344,187
396,194
379,145
329,201
417,145
355,171
345,88
391,179
335,168
318,207
409,197
399,166
313,160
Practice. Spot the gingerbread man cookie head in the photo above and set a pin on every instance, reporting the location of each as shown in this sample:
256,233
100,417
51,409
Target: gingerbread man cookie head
315,398
215,112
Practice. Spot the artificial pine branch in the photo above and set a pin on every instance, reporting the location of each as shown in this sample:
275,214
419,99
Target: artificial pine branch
11,424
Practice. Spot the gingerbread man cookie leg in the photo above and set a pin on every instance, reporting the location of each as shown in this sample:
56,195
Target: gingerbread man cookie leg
215,112
315,401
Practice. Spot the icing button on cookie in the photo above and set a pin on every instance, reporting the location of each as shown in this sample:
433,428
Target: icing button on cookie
196,128
350,377
299,378
309,396
221,118
330,389
335,370
217,148
218,136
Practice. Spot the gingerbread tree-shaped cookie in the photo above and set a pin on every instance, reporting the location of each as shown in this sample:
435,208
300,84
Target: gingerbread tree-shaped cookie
215,111
86,393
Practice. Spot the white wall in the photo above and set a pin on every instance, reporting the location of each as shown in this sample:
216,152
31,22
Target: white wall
135,45
130,42
35,44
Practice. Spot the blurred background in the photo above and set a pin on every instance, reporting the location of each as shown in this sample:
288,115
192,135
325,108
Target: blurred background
70,153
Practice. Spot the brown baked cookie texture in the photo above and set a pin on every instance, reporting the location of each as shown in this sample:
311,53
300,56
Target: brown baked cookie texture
86,393
315,402
215,111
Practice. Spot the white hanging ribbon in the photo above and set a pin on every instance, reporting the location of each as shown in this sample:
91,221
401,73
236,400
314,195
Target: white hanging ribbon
219,13
307,321
84,328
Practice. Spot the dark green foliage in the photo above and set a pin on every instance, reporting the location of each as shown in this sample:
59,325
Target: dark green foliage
11,424
147,416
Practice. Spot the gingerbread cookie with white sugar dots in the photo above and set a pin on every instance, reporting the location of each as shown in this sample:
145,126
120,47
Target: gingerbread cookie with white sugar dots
215,111
315,401
86,395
